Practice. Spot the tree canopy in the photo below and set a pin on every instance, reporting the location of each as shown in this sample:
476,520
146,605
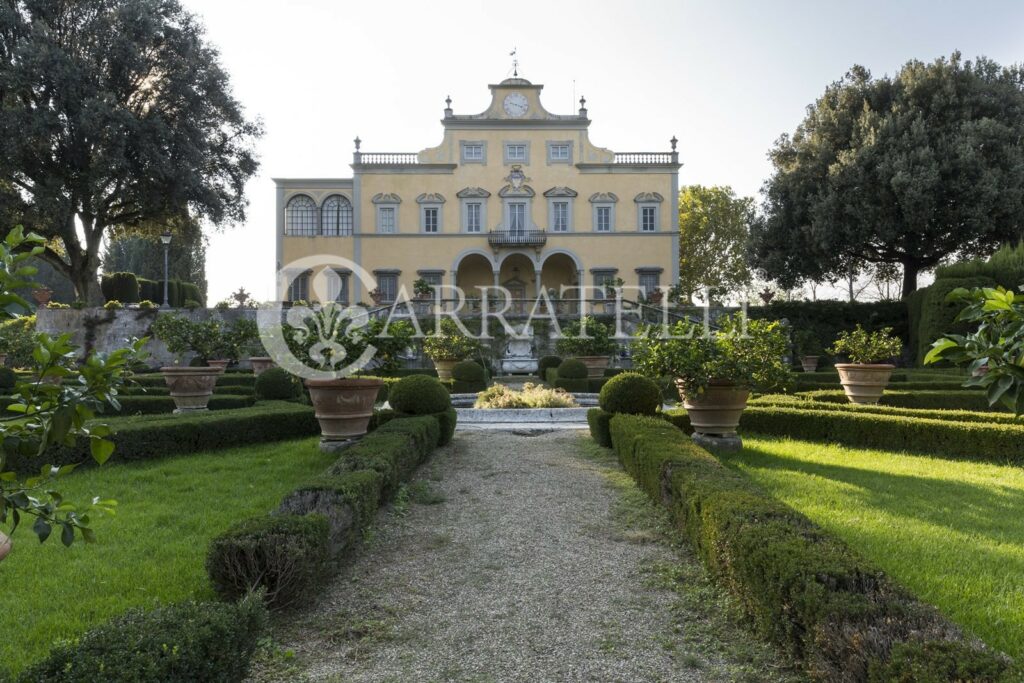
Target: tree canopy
115,114
909,170
714,227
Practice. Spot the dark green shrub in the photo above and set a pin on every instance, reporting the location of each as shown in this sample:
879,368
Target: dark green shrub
572,368
937,316
203,642
573,386
7,379
446,421
955,415
277,384
545,363
394,450
600,425
419,395
468,371
18,340
630,393
190,292
946,399
151,290
282,554
348,502
123,287
801,587
826,319
941,661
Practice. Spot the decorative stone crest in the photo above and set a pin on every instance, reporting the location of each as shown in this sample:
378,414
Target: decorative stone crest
430,198
516,178
561,192
604,197
386,198
647,197
472,193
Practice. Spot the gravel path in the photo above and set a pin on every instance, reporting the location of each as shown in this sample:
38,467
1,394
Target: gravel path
511,559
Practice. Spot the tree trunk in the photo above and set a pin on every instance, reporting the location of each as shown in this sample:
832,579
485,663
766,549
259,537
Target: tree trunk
910,271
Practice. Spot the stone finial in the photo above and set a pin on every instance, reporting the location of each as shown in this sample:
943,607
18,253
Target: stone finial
583,107
448,106
673,141
358,142
448,101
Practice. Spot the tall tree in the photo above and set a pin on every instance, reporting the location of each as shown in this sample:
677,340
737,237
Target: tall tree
115,114
714,228
905,170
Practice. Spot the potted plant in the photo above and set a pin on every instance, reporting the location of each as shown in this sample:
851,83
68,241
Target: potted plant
865,377
808,349
992,352
590,341
447,346
190,386
655,296
339,347
42,295
612,291
715,371
377,296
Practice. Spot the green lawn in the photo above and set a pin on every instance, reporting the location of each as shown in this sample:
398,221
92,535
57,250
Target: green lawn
151,552
952,532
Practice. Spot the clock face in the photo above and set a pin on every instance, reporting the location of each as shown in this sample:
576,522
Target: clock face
516,104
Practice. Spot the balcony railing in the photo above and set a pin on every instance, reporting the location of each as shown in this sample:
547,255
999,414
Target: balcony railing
391,158
644,158
517,238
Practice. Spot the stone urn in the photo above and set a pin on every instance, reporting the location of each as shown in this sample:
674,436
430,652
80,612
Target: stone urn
5,546
864,383
444,369
42,295
810,363
715,412
261,364
219,363
343,407
191,387
596,365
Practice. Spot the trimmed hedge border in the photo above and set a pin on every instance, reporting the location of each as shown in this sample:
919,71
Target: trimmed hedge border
929,400
156,436
785,401
902,386
804,589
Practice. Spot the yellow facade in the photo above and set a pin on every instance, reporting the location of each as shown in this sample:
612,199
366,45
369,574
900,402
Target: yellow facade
515,196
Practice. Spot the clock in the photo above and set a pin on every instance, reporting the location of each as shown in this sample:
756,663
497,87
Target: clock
516,104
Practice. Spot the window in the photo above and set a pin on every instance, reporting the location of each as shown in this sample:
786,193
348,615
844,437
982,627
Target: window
602,278
474,218
432,277
649,280
559,152
517,216
472,152
603,219
337,286
516,153
386,219
387,283
560,216
300,216
337,216
430,219
648,218
298,289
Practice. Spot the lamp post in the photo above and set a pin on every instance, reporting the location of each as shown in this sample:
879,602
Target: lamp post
165,237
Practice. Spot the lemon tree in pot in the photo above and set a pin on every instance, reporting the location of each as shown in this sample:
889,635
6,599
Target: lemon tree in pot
715,371
447,346
342,346
864,378
190,386
808,349
590,341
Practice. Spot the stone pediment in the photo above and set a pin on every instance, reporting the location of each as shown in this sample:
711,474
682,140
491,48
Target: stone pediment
604,198
561,192
430,198
511,191
386,198
648,197
472,193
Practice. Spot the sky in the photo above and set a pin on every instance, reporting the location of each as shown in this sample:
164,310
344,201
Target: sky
726,78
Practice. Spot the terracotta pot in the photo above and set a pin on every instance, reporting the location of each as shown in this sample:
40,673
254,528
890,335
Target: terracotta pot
596,365
810,363
864,383
261,364
42,295
716,411
220,363
190,387
5,546
444,369
343,407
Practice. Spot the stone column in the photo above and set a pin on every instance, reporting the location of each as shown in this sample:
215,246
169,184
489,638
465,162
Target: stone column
580,284
540,285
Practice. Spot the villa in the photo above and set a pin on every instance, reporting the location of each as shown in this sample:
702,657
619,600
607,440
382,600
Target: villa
514,196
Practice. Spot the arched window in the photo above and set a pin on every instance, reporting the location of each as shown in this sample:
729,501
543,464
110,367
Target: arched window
300,216
337,216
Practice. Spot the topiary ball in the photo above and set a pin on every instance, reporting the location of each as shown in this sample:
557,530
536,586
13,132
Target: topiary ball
468,371
547,362
419,395
630,393
572,368
276,384
7,379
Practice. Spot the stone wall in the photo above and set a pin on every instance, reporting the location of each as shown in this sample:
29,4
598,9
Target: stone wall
97,329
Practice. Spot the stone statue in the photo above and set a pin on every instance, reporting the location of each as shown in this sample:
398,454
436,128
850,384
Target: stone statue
519,353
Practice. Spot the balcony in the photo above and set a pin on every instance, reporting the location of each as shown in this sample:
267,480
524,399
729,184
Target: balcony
646,158
387,158
511,239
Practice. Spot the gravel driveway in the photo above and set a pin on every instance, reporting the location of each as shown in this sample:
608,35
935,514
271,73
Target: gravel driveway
519,557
